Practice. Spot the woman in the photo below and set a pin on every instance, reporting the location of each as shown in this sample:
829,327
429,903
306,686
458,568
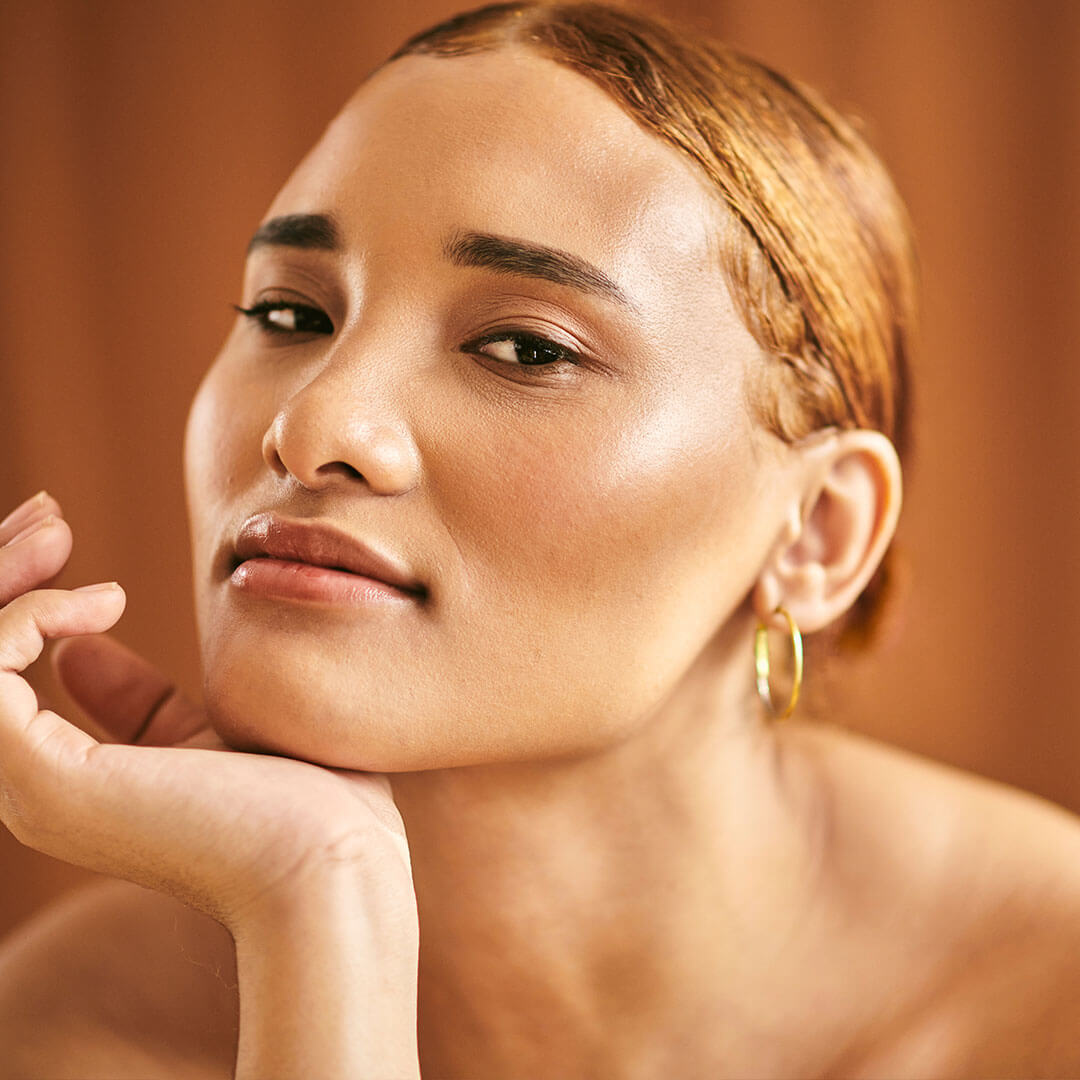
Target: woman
571,356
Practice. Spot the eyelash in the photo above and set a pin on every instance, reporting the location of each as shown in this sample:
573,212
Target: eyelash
523,338
260,314
311,320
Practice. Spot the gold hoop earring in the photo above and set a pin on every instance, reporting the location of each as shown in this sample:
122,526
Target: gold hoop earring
761,666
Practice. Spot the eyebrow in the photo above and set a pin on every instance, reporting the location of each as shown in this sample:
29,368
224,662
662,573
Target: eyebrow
506,255
503,254
312,231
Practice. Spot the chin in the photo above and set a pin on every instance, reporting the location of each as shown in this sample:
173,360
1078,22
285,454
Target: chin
269,721
285,688
270,716
281,691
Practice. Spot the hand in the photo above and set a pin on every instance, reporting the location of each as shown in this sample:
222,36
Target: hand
228,833
308,867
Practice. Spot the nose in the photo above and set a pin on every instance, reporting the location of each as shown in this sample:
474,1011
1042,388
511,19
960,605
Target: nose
337,428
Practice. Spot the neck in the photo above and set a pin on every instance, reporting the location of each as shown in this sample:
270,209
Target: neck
612,893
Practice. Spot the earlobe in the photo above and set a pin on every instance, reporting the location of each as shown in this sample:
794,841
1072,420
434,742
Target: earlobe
846,519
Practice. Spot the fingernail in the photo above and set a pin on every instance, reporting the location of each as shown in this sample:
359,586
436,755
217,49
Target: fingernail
105,586
35,502
37,526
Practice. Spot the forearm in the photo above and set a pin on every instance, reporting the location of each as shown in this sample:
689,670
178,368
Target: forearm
327,985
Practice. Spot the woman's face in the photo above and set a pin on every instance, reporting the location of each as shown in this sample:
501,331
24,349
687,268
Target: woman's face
502,356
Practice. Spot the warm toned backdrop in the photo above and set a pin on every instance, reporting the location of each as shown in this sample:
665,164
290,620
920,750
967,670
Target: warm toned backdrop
142,140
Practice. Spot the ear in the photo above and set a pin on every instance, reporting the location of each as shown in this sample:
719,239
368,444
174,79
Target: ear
837,533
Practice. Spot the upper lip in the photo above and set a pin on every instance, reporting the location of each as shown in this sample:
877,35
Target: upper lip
268,535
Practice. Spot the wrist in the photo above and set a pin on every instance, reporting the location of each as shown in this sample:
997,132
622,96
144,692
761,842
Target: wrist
342,904
327,970
368,878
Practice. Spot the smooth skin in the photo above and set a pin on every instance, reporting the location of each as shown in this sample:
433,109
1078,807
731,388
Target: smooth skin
620,868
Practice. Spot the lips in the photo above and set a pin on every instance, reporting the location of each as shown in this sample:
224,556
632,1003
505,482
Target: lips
304,546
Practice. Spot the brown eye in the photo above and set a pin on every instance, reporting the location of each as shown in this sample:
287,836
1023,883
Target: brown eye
287,317
525,350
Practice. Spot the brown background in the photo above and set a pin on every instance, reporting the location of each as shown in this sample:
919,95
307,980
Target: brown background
143,139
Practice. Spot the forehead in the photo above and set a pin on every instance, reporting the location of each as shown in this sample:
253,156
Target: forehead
510,143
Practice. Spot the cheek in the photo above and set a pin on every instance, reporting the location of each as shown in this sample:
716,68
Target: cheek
205,440
223,433
606,544
599,494
222,455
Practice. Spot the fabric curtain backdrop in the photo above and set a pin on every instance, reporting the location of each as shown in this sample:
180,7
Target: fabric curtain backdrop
143,141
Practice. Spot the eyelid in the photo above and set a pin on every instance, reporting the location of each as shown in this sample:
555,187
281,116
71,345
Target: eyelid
594,341
299,277
259,311
569,355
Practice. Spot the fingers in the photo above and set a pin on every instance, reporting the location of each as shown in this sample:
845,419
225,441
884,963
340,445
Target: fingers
124,694
25,625
35,617
35,542
36,506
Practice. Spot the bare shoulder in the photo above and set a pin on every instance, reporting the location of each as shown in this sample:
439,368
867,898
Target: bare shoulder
117,981
993,875
999,831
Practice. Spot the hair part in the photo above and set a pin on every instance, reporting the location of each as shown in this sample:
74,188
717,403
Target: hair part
817,256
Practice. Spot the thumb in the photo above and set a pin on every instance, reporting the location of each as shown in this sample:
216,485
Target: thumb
123,693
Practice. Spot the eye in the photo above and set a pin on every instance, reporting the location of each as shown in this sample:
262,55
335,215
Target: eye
287,317
521,349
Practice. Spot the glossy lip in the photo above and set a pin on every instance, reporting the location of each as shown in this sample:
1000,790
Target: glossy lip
349,567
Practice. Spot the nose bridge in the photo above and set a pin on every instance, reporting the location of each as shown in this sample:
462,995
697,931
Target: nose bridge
348,417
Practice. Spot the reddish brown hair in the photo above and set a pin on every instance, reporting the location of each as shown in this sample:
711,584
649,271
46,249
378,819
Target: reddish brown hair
819,257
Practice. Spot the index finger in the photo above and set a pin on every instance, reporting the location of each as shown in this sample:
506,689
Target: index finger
25,625
35,617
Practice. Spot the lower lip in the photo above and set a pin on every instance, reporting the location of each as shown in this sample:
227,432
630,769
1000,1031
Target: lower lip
286,580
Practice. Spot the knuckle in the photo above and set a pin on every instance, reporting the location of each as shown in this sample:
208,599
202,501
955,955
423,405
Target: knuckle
21,639
36,792
44,764
18,817
24,607
31,606
17,697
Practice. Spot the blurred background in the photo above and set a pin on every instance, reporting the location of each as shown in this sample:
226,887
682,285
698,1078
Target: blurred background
143,139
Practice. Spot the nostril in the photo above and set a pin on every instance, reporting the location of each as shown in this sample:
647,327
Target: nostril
339,468
270,453
315,445
273,459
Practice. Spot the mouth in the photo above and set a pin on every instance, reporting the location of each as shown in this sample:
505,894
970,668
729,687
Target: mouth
311,560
